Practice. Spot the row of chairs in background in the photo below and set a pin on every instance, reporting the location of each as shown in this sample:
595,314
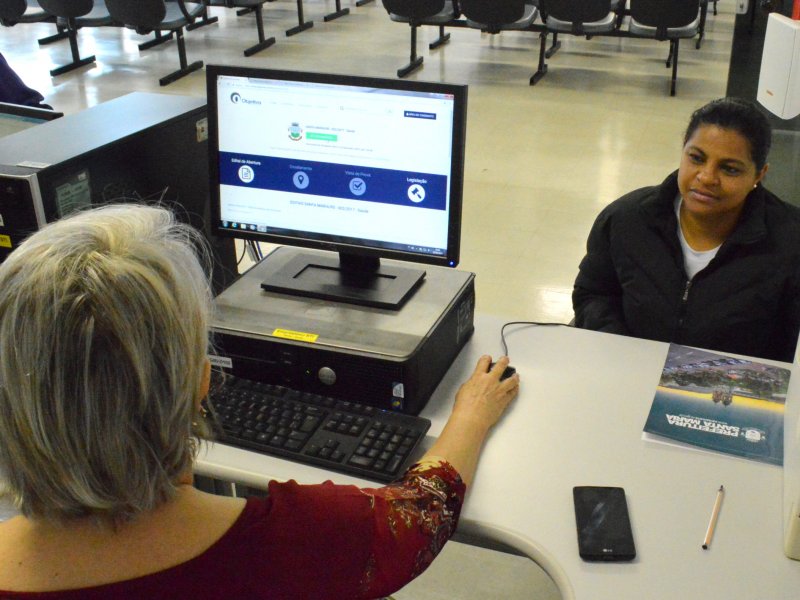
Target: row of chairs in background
662,20
163,18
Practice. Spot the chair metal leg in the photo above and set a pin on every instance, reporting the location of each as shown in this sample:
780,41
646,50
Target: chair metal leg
668,62
540,72
554,47
339,12
674,80
702,28
185,67
244,11
205,20
262,41
156,41
441,40
415,62
363,2
302,24
62,34
77,61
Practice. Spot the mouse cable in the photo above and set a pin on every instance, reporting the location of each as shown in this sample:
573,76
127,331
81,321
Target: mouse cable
537,323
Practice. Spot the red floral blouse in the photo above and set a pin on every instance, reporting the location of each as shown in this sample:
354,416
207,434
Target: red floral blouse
312,541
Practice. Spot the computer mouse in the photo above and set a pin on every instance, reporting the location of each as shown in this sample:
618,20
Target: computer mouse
507,373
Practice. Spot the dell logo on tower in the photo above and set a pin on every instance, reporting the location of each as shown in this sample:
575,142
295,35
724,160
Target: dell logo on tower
235,97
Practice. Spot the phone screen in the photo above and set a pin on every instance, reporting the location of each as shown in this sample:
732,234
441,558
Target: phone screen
604,527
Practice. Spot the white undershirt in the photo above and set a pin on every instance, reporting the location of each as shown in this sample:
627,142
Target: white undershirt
694,261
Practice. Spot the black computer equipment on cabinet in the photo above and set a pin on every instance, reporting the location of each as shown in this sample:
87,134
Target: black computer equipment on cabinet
140,147
367,168
356,178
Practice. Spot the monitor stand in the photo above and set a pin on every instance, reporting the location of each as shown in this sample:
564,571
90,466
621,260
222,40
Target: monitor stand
345,278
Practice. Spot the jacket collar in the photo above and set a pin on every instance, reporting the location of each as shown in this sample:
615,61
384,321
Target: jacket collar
660,208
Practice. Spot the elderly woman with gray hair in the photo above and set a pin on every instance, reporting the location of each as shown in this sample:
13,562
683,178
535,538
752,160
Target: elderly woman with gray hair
103,367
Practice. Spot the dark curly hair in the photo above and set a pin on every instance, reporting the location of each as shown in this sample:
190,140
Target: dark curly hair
741,116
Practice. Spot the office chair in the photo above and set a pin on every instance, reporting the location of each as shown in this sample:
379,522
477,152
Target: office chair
494,16
22,11
146,16
417,13
671,21
576,17
71,15
254,6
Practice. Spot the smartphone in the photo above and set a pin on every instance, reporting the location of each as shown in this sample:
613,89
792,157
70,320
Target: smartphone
604,527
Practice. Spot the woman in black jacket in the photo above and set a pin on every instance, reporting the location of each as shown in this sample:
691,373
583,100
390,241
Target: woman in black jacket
709,258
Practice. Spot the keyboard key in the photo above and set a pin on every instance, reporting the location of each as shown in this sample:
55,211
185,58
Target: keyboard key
395,463
361,461
294,445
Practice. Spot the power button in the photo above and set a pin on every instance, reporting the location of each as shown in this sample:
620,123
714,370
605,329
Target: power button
327,375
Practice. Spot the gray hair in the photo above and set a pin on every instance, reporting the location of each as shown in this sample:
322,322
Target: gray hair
103,340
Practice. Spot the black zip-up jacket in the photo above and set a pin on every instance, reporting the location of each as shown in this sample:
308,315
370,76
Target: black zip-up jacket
746,301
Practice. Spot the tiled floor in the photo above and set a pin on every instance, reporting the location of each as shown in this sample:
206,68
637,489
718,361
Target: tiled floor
541,161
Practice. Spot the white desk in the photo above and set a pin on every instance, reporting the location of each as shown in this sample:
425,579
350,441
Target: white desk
578,421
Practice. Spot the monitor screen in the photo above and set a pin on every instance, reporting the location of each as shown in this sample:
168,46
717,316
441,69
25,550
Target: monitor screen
369,168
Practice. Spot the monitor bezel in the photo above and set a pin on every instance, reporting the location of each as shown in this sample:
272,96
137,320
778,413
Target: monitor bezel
455,201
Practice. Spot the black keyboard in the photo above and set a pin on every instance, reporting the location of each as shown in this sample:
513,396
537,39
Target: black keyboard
318,430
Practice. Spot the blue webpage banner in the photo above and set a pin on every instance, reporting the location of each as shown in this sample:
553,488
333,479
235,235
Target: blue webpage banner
350,182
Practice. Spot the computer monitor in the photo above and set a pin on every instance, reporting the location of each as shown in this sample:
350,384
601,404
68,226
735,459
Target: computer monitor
367,168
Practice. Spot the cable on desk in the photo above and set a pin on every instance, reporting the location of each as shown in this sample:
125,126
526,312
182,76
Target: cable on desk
244,251
537,323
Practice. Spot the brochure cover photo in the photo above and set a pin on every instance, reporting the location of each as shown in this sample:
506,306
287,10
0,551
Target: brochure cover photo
721,403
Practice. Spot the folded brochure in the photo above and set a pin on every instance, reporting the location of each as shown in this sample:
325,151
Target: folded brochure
721,403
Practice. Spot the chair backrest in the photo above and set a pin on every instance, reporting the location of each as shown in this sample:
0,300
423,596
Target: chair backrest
577,11
68,9
141,15
664,14
493,12
11,11
414,9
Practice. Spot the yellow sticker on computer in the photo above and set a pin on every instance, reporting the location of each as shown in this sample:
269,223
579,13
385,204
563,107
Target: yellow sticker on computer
297,336
5,241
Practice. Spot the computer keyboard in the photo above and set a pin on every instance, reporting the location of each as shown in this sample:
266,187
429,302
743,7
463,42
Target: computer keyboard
318,430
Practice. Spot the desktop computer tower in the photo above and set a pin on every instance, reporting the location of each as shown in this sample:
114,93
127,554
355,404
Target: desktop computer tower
142,147
390,359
